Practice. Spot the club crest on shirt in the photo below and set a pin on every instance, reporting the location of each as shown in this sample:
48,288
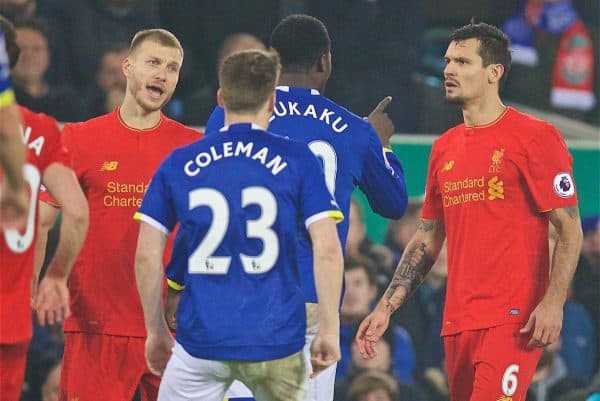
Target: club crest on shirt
496,161
563,185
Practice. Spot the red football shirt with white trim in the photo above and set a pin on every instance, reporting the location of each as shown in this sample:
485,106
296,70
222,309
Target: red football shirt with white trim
490,185
17,248
114,164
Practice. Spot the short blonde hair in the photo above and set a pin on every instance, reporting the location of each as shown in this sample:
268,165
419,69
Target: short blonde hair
157,35
248,78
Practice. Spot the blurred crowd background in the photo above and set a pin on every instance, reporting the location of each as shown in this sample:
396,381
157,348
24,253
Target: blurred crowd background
70,68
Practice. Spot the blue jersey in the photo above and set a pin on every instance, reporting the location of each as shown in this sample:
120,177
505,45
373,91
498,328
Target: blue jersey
351,153
6,93
240,199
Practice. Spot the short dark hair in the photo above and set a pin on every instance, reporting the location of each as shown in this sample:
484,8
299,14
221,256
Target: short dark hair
493,44
157,35
372,380
10,40
300,40
37,24
362,262
248,78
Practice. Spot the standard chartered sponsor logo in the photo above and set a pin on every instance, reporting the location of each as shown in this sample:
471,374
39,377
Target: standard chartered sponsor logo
124,194
472,189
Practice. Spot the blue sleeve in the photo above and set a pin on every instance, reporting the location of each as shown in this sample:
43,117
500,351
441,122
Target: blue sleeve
404,358
175,270
382,179
157,207
216,121
316,201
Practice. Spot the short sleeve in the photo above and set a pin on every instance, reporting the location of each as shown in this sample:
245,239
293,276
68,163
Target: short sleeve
157,207
316,202
548,171
432,205
54,150
177,266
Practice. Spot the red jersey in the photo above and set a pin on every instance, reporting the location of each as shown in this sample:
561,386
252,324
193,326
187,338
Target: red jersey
17,248
490,185
114,164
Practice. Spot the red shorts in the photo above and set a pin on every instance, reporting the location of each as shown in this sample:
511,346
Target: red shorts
490,364
104,367
12,370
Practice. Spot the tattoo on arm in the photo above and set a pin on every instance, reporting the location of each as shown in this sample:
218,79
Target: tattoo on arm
572,211
409,274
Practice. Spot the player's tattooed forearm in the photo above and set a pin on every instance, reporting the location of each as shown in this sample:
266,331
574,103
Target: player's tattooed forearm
572,211
428,225
413,267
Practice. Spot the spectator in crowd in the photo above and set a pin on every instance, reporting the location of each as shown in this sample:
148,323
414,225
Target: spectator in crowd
31,88
360,292
357,244
579,346
387,36
108,89
553,58
399,232
374,386
550,370
89,27
200,104
586,283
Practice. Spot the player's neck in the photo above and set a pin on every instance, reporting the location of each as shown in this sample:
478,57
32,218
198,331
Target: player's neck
483,111
247,118
298,80
134,116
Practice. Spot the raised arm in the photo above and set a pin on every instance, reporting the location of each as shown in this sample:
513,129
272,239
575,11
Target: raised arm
418,258
545,322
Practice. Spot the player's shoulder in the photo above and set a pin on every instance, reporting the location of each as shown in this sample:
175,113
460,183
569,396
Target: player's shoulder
355,120
528,126
177,128
38,121
448,136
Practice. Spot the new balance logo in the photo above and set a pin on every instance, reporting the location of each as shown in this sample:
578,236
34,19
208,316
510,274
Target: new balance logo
109,166
448,165
495,188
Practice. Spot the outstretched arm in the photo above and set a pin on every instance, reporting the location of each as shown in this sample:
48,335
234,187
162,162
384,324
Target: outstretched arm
417,259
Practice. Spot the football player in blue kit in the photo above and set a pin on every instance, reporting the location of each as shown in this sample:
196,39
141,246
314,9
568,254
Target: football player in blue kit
239,198
350,149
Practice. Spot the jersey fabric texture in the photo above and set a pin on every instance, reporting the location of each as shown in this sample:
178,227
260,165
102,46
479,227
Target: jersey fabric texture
17,248
114,164
7,96
490,185
239,198
351,153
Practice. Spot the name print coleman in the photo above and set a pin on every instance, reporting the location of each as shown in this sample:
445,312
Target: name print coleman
238,149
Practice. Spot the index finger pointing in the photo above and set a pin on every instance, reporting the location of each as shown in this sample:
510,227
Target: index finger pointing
383,104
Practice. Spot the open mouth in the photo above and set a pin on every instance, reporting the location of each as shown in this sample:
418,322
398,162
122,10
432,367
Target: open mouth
450,84
155,91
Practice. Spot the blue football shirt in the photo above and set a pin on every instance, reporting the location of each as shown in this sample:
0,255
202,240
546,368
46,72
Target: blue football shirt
240,198
351,154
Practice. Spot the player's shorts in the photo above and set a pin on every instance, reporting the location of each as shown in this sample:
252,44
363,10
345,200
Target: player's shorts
321,388
187,378
12,370
490,364
105,367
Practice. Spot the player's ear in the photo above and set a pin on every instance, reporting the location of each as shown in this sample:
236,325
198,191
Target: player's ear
126,65
495,73
220,100
322,63
271,103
